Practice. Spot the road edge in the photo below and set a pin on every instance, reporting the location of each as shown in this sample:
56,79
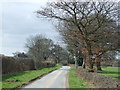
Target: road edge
33,80
67,79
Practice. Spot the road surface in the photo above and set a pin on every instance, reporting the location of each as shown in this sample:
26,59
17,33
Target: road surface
55,79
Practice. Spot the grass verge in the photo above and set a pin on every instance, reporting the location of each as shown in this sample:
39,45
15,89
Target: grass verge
0,85
111,71
75,81
17,79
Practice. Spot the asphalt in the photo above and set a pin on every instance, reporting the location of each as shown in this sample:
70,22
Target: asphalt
55,79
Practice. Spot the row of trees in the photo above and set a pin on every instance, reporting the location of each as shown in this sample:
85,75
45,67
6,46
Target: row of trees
41,49
89,29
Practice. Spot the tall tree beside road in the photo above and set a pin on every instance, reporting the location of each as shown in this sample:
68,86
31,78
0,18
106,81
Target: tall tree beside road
39,48
93,23
103,40
59,54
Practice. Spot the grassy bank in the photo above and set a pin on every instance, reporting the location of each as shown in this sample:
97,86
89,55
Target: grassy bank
74,81
111,71
19,78
0,85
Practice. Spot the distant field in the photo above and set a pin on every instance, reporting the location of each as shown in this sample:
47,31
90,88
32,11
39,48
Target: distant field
74,81
19,78
111,71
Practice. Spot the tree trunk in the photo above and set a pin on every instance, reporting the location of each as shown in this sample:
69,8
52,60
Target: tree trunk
91,64
76,65
98,65
83,65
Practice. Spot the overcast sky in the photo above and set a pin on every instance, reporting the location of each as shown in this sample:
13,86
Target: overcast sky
19,22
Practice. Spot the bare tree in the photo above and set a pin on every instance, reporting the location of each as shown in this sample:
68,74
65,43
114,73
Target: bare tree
39,49
88,19
103,40
59,53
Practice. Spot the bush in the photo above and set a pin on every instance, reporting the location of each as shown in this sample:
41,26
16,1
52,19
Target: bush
49,63
11,64
64,63
14,64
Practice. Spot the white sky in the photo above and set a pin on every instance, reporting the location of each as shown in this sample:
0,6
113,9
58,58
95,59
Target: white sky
50,0
20,22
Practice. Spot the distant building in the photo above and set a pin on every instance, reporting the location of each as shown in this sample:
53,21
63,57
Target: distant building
19,54
23,55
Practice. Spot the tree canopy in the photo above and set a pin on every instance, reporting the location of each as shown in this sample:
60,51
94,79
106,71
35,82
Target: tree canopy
89,27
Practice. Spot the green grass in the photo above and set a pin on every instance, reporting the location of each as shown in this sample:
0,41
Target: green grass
0,85
74,81
24,77
111,71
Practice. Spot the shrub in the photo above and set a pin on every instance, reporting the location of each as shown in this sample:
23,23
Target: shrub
64,63
15,64
12,64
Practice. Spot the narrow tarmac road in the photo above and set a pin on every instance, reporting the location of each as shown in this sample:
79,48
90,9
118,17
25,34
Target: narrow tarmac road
55,79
